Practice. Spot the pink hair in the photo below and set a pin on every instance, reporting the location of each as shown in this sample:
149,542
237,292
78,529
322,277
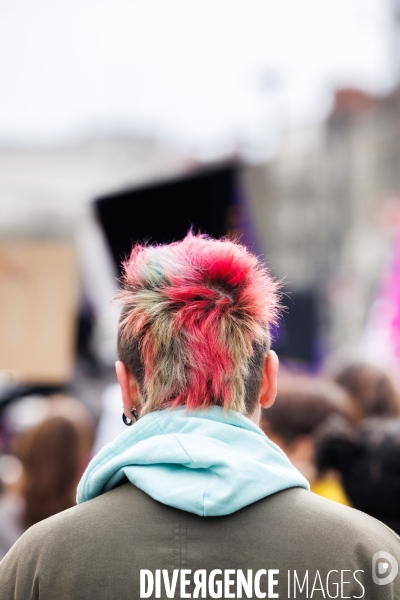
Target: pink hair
196,308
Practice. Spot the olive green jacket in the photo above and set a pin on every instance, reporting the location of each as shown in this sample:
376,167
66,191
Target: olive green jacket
295,544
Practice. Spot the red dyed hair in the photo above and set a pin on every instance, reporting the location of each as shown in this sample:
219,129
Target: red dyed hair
196,315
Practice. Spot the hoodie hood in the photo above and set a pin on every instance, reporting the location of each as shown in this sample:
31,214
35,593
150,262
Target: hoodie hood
210,463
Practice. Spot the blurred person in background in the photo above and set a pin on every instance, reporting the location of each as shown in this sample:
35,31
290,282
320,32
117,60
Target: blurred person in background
60,405
49,451
49,454
368,460
372,388
302,406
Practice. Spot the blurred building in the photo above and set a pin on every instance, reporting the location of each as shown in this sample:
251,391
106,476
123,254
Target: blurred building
322,207
48,191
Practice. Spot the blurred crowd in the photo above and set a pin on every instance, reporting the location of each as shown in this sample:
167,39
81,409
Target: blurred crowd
341,431
343,434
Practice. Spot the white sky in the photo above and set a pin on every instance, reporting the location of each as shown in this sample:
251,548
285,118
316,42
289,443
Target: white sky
212,76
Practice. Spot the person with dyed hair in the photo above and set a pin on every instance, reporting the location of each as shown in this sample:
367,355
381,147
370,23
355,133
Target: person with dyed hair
194,500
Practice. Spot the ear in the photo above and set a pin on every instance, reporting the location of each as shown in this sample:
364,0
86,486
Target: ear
129,388
269,381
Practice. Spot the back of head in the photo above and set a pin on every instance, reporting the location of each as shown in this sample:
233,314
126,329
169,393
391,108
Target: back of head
49,454
368,460
372,388
303,404
194,328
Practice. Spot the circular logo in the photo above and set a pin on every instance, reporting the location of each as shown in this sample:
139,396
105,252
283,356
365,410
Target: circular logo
384,568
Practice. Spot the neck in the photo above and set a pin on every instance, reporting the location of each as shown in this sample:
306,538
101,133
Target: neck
255,415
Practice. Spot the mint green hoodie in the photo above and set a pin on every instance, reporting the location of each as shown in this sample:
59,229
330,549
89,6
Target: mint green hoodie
209,463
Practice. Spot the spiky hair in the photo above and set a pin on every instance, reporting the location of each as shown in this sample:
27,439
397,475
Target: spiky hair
196,313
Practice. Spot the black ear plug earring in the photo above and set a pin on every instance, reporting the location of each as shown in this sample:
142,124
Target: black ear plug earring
129,422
